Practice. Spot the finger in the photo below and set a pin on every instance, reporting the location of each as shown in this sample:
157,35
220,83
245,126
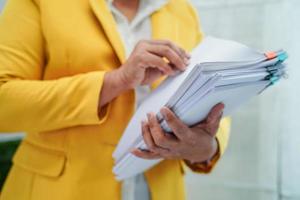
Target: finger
180,130
209,129
149,140
155,61
211,125
215,113
158,135
215,127
151,74
170,54
180,51
145,154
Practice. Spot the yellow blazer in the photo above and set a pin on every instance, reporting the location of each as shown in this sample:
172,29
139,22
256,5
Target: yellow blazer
53,57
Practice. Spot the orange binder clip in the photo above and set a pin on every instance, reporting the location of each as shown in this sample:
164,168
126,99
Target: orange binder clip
271,55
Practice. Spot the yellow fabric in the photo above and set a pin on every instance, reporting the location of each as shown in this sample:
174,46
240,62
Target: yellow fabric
53,57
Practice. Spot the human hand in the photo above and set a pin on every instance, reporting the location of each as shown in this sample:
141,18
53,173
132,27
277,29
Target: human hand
150,60
195,144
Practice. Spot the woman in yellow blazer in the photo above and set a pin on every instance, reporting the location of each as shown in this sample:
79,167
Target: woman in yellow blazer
60,83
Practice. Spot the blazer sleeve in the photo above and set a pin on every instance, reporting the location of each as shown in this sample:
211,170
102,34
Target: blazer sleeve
28,103
224,130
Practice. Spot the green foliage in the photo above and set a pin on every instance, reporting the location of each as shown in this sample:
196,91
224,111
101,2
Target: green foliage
7,150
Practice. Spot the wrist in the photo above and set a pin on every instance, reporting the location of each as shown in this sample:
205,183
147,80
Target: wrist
207,165
112,87
123,79
118,80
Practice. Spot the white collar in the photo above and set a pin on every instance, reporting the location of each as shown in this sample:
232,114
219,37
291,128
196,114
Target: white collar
147,4
146,8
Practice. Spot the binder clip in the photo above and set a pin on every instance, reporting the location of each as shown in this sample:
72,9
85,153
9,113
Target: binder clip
272,69
271,55
274,79
282,57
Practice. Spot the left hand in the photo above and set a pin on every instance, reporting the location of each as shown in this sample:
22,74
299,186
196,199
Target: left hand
195,144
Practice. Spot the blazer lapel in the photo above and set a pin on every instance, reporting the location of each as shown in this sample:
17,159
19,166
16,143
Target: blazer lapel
165,28
108,23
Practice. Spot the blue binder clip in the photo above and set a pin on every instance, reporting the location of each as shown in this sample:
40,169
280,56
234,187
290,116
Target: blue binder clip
272,70
282,57
274,79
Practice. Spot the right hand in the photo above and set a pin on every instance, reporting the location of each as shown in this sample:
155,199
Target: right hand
152,59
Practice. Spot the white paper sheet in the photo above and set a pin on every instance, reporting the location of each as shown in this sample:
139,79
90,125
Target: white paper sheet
220,71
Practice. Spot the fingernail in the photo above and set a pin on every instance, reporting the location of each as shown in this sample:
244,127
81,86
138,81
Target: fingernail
164,113
148,116
144,150
132,150
186,61
189,62
187,54
221,112
152,115
162,110
223,108
223,105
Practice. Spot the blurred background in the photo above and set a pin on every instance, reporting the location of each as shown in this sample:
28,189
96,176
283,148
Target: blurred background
263,158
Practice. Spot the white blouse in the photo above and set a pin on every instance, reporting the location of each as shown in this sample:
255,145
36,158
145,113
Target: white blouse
139,28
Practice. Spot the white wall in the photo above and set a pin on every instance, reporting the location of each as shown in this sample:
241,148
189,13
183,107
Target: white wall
262,161
1,4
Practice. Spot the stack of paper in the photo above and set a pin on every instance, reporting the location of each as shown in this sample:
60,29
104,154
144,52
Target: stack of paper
220,71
